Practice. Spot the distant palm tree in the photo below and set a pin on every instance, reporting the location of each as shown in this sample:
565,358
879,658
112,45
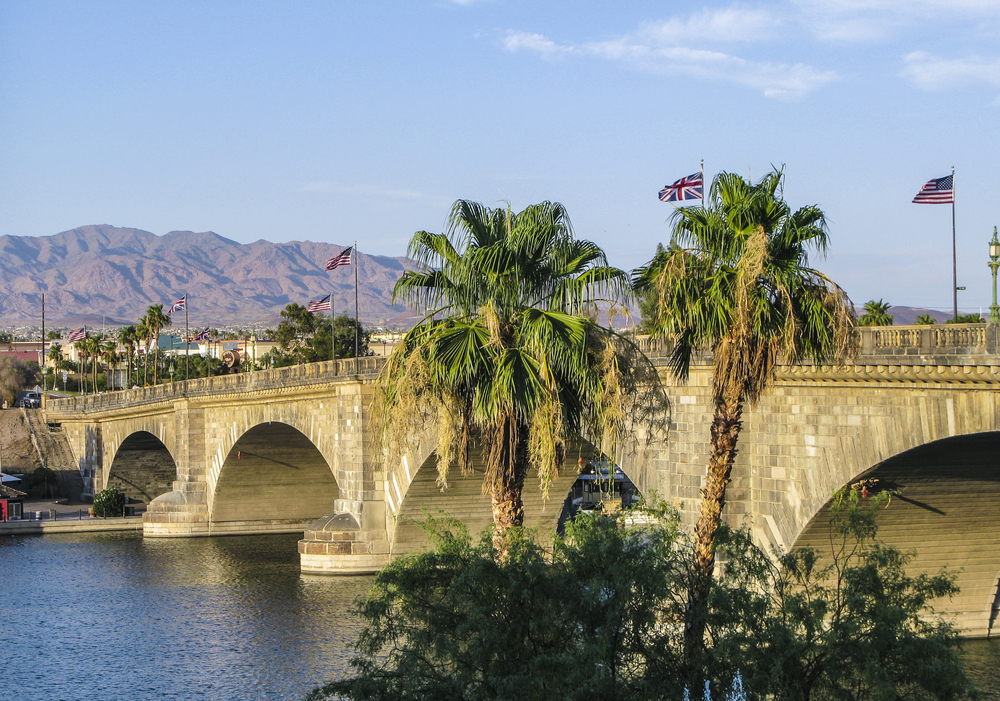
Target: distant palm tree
129,338
742,288
93,344
876,314
155,321
925,319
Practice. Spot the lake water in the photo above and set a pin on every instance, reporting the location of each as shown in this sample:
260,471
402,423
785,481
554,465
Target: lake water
107,616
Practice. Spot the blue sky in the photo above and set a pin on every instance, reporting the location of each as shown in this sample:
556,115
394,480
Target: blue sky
343,121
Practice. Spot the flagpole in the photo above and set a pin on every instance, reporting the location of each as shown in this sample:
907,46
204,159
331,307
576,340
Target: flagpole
42,363
333,325
954,258
357,318
187,340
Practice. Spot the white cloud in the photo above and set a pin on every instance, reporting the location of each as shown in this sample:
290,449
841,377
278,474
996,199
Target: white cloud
933,73
516,41
724,24
880,20
659,49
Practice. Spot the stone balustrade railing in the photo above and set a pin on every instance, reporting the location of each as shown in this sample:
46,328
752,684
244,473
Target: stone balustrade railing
948,342
260,380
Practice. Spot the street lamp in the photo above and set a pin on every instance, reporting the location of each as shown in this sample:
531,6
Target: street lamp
994,264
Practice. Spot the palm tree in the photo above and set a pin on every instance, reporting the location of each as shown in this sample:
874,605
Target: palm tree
922,320
739,284
155,320
128,336
56,356
876,314
93,346
109,354
508,354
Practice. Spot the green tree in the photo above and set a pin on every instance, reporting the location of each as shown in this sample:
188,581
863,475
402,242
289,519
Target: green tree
600,616
966,319
128,336
925,320
16,376
507,355
109,503
304,337
44,482
876,314
649,302
6,337
745,291
155,321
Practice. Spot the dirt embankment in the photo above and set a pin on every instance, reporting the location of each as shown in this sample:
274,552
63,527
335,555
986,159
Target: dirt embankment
17,453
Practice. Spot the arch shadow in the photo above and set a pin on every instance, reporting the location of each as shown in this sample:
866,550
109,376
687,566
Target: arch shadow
273,473
946,512
142,468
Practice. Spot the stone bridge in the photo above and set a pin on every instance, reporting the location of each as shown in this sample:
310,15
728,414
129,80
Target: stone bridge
290,450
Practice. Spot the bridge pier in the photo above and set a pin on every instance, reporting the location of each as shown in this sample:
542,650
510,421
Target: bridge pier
353,540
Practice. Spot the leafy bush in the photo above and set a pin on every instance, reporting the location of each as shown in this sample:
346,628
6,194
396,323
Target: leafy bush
601,615
44,482
109,503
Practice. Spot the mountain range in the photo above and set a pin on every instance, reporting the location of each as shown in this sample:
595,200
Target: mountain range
103,272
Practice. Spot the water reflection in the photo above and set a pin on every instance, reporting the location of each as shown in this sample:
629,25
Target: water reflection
100,616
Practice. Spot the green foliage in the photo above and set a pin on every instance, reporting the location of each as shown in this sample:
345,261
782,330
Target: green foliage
6,337
876,314
304,337
601,615
109,503
649,301
44,482
966,319
925,320
16,376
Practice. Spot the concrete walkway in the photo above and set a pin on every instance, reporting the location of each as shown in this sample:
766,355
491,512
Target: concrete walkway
69,518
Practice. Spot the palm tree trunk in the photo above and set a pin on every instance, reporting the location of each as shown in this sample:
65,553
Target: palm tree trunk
725,432
507,466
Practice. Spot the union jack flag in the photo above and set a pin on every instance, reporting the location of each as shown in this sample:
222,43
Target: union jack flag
691,187
342,258
203,336
322,305
77,335
178,306
937,191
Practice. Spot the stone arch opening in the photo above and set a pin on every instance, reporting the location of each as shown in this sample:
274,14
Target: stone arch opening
464,499
946,512
274,473
143,467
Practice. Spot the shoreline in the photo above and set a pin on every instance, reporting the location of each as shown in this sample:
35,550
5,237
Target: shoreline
89,524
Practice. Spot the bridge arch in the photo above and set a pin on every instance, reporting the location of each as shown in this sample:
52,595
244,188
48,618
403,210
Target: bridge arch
142,467
273,474
946,511
412,493
128,446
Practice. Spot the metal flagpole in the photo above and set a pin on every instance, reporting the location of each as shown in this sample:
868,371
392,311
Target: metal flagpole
333,325
954,259
357,319
187,340
41,364
703,183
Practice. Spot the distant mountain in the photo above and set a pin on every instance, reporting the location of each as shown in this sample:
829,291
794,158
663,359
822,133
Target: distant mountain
102,271
903,316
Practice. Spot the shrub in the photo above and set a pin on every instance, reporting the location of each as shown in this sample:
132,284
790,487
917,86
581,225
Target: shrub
601,615
109,503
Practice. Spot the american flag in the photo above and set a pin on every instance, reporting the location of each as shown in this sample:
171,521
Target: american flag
691,187
322,305
178,306
937,191
77,335
203,336
342,258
